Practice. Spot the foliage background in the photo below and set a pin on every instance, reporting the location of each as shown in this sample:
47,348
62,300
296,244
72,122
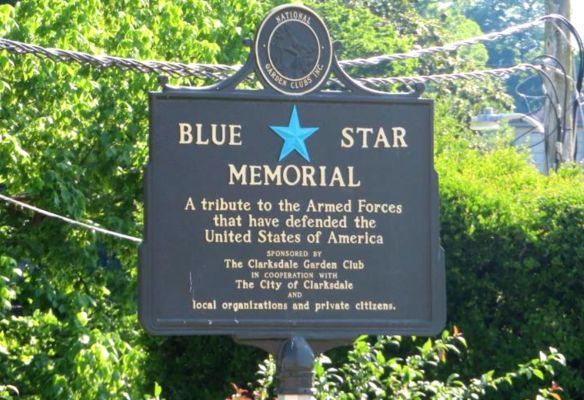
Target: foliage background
73,140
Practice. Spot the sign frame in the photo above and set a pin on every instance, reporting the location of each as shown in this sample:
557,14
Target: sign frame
345,90
321,329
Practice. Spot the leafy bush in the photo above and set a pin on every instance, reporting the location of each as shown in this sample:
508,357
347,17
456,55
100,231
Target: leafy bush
514,256
73,140
373,372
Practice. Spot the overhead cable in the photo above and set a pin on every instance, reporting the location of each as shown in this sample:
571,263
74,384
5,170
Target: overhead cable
438,78
207,71
84,225
220,71
357,62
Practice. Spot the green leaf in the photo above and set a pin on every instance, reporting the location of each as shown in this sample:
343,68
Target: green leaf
538,374
157,390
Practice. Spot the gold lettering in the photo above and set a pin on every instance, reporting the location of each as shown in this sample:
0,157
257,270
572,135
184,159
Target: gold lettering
322,175
215,137
399,134
220,134
274,175
381,138
365,132
184,132
347,140
235,135
237,176
292,175
337,177
308,175
287,180
255,176
200,134
352,182
190,206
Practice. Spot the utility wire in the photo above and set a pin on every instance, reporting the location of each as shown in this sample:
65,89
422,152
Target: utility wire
219,71
438,78
207,71
84,225
358,62
566,90
517,138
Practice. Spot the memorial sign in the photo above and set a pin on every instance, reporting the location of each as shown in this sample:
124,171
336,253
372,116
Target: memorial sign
293,210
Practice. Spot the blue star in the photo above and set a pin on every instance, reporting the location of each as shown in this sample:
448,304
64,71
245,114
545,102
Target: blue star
294,136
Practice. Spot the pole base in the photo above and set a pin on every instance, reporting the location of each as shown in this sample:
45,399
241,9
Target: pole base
295,368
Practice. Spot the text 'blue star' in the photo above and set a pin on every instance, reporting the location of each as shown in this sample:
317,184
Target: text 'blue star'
294,136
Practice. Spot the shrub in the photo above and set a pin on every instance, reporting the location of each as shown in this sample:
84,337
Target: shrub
373,372
73,140
514,255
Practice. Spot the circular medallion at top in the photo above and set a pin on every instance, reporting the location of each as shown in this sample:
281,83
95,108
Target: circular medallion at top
293,50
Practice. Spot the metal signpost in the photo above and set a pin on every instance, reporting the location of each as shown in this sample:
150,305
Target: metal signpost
296,217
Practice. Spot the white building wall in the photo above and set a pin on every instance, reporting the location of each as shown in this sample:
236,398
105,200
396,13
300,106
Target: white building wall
534,141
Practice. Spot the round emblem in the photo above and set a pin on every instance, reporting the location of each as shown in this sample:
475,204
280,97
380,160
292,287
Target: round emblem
293,50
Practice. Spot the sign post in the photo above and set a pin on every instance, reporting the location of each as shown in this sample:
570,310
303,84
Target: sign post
296,217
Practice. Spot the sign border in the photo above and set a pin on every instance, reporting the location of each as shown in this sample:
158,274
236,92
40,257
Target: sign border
310,329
